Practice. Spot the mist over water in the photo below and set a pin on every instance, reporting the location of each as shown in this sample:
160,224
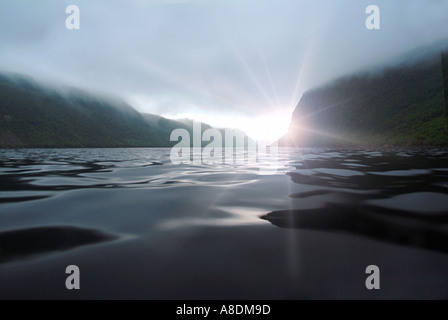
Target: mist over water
134,222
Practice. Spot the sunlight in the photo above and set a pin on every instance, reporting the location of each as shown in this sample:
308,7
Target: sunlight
268,127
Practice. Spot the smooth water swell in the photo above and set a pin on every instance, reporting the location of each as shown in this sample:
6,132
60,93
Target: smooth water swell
133,203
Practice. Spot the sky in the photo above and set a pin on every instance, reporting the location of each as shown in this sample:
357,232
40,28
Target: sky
231,63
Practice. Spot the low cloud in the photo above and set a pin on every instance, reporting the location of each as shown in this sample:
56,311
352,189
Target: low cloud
245,58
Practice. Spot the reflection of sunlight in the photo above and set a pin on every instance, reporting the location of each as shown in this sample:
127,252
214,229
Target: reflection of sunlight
235,216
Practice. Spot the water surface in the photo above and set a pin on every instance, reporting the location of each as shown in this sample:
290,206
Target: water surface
140,227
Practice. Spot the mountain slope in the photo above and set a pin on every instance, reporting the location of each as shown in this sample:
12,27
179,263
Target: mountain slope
402,106
445,81
34,116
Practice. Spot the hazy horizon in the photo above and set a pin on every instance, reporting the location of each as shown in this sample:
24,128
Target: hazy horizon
226,63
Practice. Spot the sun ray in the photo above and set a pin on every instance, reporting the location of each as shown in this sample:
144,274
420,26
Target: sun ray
304,63
268,73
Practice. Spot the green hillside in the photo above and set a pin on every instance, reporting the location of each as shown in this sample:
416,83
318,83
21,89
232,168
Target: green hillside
401,106
32,115
445,81
163,127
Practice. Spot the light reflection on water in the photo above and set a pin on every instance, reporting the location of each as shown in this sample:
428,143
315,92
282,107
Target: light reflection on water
104,197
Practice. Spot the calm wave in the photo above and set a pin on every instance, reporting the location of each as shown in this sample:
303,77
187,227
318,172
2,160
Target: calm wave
134,222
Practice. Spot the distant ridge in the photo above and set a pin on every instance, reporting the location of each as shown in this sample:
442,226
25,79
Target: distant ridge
444,57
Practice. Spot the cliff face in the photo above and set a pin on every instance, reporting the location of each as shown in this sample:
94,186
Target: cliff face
445,81
401,106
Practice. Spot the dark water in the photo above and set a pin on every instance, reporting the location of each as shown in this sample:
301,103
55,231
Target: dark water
139,227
